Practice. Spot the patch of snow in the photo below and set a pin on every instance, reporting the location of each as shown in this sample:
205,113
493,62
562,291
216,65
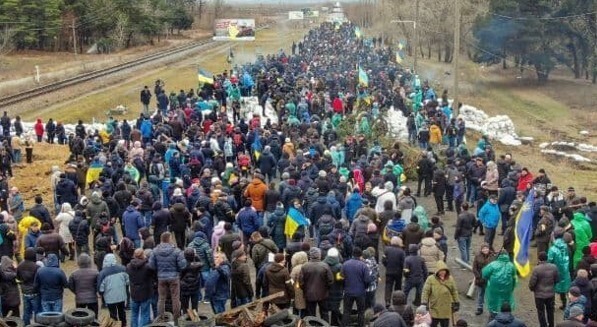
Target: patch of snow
500,127
583,133
397,123
573,156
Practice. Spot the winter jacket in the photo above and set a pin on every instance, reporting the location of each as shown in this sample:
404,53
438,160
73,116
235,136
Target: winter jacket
415,269
66,192
112,281
256,192
431,253
40,212
241,280
413,234
580,302
190,278
582,235
464,225
203,251
180,218
79,229
31,239
315,279
52,243
353,204
490,215
393,260
389,319
26,272
132,221
217,285
248,221
479,262
440,294
50,280
260,250
277,224
500,275
357,277
160,222
225,243
359,226
278,280
83,281
142,279
168,261
95,207
506,319
9,290
558,255
543,280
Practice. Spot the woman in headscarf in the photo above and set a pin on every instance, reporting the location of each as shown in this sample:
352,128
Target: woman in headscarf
9,291
66,215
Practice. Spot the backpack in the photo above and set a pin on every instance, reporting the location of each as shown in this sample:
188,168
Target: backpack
387,235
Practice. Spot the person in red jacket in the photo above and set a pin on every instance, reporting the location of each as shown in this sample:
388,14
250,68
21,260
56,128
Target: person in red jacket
525,179
39,129
338,105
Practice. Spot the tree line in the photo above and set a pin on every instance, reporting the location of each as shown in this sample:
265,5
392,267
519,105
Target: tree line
111,24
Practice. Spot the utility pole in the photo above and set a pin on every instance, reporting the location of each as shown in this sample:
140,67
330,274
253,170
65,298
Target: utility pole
455,71
416,45
74,37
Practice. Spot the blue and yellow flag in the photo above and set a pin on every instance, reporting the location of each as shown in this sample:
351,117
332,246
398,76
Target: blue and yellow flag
294,219
205,77
363,78
522,235
93,172
257,146
357,32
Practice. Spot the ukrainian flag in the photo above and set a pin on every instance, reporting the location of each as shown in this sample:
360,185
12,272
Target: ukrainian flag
294,220
357,32
205,77
363,78
93,172
257,146
522,236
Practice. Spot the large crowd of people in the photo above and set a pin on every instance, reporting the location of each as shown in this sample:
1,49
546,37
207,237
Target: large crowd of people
203,202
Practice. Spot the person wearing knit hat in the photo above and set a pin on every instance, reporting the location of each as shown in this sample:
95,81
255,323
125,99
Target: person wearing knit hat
315,280
241,286
393,260
576,313
277,277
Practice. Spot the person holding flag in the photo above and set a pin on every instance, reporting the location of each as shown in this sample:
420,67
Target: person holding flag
523,229
294,220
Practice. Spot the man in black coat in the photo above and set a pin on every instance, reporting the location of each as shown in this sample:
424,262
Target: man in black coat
424,172
439,189
40,212
142,279
393,259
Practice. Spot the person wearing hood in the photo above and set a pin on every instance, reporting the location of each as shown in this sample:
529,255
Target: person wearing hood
277,223
500,275
386,318
39,130
142,280
413,233
415,273
441,295
383,195
180,219
66,190
267,163
582,235
298,259
359,226
248,221
95,208
489,217
394,227
51,242
190,281
406,204
66,215
256,192
26,271
506,318
50,282
400,306
558,255
242,288
132,221
112,285
217,285
9,290
204,253
160,220
83,283
79,229
431,252
506,195
353,204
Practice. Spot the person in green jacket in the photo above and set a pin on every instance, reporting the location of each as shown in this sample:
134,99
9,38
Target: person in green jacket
441,295
582,235
500,275
558,255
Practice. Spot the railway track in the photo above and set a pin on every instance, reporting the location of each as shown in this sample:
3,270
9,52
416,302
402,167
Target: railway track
48,88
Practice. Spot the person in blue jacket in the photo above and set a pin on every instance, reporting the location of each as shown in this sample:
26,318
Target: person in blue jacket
146,130
112,285
217,285
133,221
50,282
489,216
353,204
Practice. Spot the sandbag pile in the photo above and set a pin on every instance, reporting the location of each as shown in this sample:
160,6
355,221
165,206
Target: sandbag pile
500,127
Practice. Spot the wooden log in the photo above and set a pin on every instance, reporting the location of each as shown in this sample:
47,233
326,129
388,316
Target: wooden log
237,310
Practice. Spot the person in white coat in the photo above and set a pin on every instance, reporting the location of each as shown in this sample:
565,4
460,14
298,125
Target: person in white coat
63,219
383,195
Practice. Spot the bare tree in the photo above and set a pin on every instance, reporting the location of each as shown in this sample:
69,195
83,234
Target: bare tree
121,31
218,8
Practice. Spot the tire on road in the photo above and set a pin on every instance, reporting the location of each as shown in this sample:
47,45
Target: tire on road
14,322
79,317
291,321
275,318
311,321
49,318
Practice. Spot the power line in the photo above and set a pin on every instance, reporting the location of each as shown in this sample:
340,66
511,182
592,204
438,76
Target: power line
543,18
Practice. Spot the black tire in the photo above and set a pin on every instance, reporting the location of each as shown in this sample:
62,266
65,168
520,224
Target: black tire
79,317
315,322
34,324
291,321
165,317
14,322
159,324
275,318
49,318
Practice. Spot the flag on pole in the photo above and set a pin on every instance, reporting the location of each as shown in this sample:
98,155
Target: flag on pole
294,220
363,78
400,56
522,235
204,77
357,32
93,172
257,146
